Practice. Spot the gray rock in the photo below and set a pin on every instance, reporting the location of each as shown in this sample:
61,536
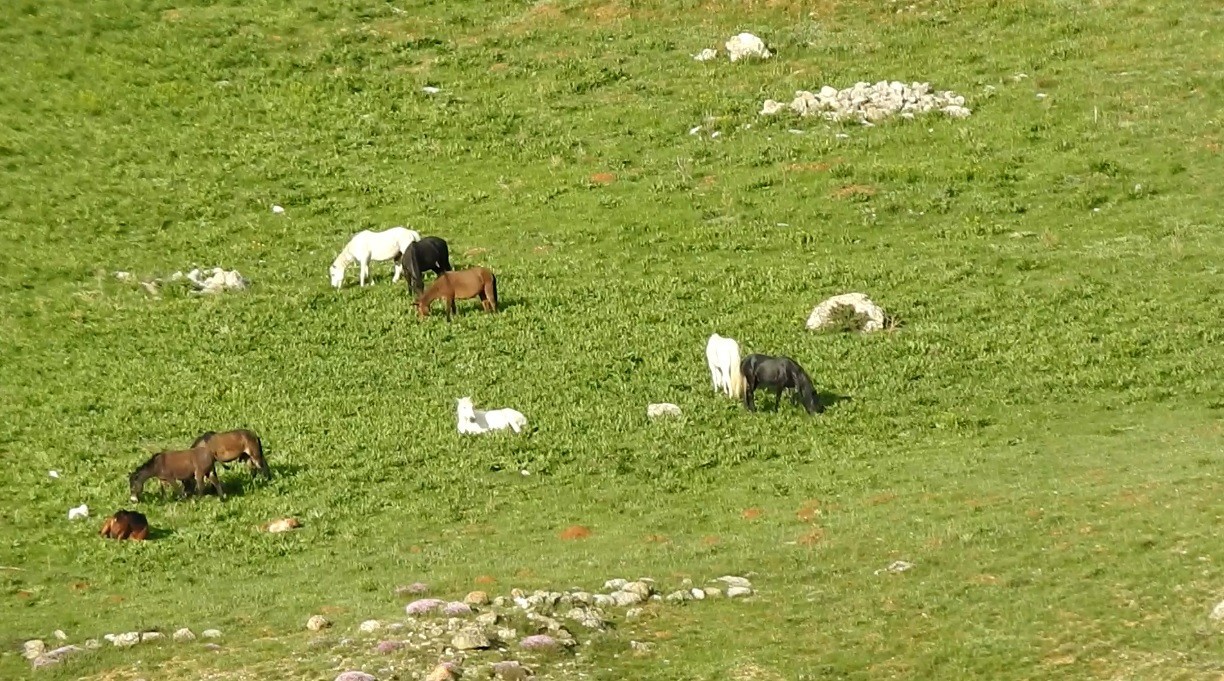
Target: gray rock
60,635
369,626
603,600
639,587
355,676
211,633
626,598
127,640
615,584
511,670
150,636
183,635
633,613
211,646
698,594
731,580
487,619
582,597
500,602
507,634
713,592
93,644
1217,613
678,597
33,648
317,623
738,592
470,639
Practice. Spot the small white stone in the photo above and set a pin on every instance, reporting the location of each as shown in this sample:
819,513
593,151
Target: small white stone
369,626
1217,613
615,584
183,635
93,644
705,55
150,636
430,90
278,209
698,594
60,635
34,648
81,511
127,640
738,592
317,623
211,633
731,580
53,474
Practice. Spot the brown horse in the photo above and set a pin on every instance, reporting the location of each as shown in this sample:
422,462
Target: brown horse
126,525
177,466
476,282
235,445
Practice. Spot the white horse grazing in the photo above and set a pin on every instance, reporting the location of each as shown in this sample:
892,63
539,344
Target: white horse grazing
723,356
474,422
366,246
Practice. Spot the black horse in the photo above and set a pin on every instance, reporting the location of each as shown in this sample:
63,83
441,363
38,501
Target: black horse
430,253
778,373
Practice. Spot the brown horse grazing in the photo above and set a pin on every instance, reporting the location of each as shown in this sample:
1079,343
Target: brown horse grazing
177,466
476,282
235,445
126,525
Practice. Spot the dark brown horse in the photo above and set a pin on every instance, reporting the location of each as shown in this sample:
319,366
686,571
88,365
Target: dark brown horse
170,467
126,525
476,282
428,254
235,445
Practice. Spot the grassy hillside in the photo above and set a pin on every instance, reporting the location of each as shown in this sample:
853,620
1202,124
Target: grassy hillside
1040,437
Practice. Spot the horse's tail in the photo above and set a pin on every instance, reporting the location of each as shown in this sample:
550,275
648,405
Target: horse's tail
255,451
494,278
737,373
444,258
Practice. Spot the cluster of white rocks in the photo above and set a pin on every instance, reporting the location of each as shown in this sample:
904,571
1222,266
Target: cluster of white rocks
868,104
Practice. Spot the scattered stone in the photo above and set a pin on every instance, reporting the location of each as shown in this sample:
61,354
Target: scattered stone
414,589
626,598
539,642
430,90
447,671
823,313
705,55
678,597
738,592
487,619
698,594
507,634
424,606
125,276
211,633
639,587
615,584
59,635
713,592
79,512
355,676
183,635
282,525
387,647
633,613
62,652
456,609
277,209
211,646
470,639
218,280
33,649
603,600
150,636
640,648
511,670
746,46
867,103
582,597
662,409
477,598
731,580
896,567
317,623
500,602
93,644
369,626
1217,613
127,640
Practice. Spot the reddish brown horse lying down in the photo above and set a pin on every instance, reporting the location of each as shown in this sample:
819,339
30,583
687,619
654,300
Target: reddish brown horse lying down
177,466
126,525
476,282
235,445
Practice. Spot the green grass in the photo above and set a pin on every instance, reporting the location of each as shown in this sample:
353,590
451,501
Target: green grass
1040,437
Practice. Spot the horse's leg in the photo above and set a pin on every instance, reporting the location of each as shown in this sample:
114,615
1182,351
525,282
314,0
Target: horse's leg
490,296
216,481
365,271
749,394
450,308
399,268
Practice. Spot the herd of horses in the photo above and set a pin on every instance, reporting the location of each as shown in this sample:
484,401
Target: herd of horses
195,468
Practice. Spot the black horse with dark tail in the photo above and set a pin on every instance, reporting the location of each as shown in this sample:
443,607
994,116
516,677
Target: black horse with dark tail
779,373
428,254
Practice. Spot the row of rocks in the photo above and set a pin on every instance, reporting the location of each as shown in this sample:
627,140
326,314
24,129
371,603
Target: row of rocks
867,103
36,652
217,280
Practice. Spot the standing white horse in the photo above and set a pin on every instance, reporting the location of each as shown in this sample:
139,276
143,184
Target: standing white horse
723,356
366,246
474,422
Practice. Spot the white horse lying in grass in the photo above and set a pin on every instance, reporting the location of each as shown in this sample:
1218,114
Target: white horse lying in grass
723,356
366,246
474,422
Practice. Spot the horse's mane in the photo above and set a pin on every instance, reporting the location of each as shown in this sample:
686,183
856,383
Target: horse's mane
146,465
343,258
